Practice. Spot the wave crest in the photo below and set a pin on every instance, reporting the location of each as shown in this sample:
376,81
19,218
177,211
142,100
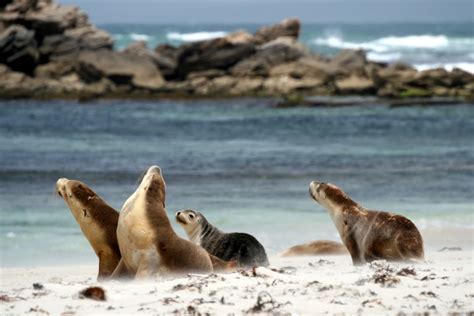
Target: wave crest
196,36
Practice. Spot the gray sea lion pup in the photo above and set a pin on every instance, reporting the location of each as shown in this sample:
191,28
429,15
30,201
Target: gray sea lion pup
316,248
240,247
148,243
97,219
367,234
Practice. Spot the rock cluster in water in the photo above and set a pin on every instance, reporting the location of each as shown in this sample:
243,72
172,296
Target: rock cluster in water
49,50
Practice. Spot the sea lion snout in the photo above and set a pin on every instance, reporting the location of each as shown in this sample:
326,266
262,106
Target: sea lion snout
61,185
314,189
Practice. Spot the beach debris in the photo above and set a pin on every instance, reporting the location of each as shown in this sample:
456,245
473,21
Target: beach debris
406,271
320,262
383,276
429,293
200,300
94,293
429,277
190,310
169,300
450,249
409,296
265,303
37,310
374,301
38,286
285,270
313,283
325,288
5,298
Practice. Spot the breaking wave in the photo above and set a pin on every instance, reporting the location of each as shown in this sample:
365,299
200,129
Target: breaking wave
196,36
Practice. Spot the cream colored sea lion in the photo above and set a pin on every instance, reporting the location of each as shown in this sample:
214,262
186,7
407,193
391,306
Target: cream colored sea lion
97,219
316,248
148,243
368,235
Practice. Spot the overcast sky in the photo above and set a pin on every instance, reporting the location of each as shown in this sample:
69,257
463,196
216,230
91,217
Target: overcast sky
263,11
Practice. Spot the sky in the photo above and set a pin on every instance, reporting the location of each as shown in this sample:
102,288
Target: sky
264,11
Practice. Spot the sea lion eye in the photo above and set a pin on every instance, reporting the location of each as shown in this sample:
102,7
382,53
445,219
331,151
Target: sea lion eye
191,216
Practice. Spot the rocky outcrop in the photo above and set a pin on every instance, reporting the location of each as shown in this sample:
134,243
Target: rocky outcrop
49,50
287,28
18,48
219,53
120,68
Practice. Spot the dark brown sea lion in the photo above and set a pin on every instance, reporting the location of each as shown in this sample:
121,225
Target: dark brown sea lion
97,219
367,234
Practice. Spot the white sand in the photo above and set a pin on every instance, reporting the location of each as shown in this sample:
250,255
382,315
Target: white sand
310,285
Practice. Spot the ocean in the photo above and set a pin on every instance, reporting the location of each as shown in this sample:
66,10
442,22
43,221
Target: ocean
243,163
425,46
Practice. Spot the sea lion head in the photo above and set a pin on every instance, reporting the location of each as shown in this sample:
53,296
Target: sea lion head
189,219
78,196
329,195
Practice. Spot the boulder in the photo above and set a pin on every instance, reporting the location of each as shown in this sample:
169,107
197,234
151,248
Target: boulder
276,52
219,53
219,86
73,41
166,64
120,68
247,86
349,61
286,28
306,67
55,69
460,77
355,85
432,77
18,49
285,85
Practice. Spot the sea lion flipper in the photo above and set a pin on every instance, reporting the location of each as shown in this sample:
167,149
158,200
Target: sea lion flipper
219,265
120,271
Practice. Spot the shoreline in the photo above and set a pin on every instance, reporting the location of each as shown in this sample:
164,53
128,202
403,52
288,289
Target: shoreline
303,285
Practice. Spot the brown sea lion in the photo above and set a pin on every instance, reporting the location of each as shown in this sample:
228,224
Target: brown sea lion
148,243
367,234
316,248
97,219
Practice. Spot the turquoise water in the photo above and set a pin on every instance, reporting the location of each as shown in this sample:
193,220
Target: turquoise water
243,163
422,45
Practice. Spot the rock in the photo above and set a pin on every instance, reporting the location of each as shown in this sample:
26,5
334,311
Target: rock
460,77
55,69
287,28
216,87
220,53
432,77
45,17
397,74
208,74
164,63
355,85
307,67
349,61
120,68
18,49
276,52
75,40
285,85
247,86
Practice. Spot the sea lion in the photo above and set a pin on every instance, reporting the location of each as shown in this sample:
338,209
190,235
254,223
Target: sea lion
367,234
240,247
316,248
148,243
97,219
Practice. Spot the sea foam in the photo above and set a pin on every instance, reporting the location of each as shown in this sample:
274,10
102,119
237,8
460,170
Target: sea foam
196,36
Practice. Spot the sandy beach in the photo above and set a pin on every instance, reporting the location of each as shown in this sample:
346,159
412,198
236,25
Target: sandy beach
305,285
